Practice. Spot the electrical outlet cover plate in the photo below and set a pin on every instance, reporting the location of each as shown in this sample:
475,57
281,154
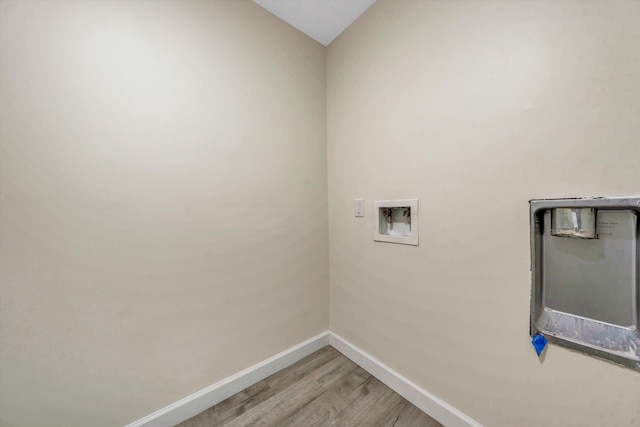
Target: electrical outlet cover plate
399,227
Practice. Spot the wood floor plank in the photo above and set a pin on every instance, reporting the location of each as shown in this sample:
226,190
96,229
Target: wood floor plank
361,400
224,410
325,409
323,389
414,417
288,401
245,400
282,380
301,368
383,413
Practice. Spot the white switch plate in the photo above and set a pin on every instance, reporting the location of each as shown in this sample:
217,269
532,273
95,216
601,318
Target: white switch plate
359,207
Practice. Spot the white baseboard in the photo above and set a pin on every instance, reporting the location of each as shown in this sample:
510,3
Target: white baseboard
192,405
436,408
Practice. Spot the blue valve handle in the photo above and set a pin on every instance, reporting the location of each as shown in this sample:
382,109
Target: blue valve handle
539,343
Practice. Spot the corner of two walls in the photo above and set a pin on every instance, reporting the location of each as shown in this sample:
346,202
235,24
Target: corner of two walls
475,108
164,202
120,281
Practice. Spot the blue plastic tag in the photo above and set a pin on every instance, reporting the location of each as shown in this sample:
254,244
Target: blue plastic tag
539,343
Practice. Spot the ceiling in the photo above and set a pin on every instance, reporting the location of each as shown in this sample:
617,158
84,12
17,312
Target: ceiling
322,20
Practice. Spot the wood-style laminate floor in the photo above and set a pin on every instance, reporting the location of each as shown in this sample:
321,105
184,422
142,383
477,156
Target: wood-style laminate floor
323,389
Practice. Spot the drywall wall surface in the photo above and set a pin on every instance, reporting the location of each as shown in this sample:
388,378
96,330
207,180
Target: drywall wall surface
474,108
163,202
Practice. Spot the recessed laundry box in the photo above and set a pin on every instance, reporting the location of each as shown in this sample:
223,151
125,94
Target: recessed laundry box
585,282
396,221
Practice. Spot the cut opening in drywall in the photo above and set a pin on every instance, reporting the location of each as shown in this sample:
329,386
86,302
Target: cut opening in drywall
585,287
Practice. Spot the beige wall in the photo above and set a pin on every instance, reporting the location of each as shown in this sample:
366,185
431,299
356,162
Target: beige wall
163,197
164,202
474,108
